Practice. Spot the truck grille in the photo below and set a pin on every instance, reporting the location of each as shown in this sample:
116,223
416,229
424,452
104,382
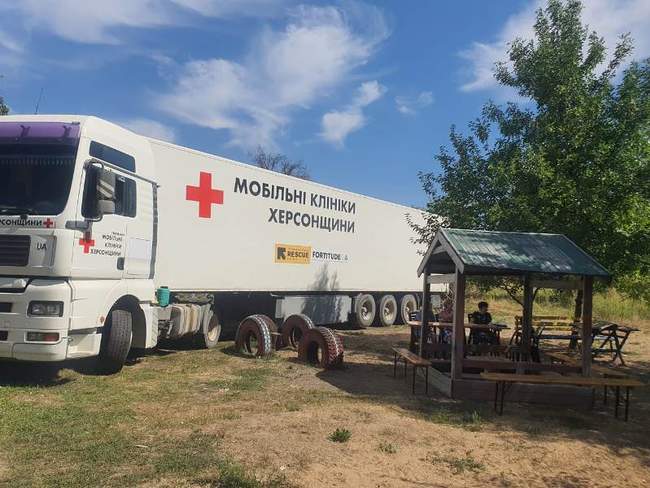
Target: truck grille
14,250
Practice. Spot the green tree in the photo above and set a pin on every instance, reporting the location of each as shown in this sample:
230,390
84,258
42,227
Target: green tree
573,157
4,110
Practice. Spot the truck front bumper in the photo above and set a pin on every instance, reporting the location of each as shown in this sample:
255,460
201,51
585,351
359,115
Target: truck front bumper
17,347
16,323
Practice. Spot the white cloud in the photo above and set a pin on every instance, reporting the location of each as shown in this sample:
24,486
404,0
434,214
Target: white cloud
284,70
609,18
337,125
410,105
150,128
10,50
95,21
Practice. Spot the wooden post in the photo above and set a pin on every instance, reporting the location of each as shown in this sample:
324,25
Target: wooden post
587,302
527,318
458,337
426,308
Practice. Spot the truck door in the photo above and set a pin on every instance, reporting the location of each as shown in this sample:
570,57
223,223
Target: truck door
100,251
139,233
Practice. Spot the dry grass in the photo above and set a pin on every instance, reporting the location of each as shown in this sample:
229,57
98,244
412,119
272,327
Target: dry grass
214,419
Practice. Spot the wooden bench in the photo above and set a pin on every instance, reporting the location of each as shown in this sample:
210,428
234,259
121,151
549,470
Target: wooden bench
413,359
595,368
503,379
565,328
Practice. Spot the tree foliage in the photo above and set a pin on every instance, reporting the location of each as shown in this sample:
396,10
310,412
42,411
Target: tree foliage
279,163
572,156
4,110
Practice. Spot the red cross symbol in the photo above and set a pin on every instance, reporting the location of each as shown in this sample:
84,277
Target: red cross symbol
48,223
204,194
87,243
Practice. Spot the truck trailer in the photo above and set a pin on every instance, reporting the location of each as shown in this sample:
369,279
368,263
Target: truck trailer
100,228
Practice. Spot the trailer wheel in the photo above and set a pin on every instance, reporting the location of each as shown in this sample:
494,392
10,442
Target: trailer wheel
116,342
254,336
294,327
407,305
387,311
320,346
210,331
364,310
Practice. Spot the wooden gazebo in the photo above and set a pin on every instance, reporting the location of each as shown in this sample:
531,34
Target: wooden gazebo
540,261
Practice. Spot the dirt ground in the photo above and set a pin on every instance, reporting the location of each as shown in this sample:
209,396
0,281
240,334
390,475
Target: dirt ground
437,442
170,418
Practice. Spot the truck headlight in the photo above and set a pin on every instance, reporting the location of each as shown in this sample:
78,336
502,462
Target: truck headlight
46,309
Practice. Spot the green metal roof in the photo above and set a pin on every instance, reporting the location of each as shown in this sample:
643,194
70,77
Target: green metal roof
491,252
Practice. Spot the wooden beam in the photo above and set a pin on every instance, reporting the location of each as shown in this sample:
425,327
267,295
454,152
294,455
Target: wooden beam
426,308
572,284
458,332
497,365
441,278
587,306
527,316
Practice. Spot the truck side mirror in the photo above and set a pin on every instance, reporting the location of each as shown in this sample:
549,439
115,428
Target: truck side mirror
105,191
99,192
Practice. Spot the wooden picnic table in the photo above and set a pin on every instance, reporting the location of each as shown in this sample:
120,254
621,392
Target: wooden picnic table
503,379
436,327
611,337
606,337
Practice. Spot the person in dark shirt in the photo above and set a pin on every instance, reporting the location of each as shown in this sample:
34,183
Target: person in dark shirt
482,317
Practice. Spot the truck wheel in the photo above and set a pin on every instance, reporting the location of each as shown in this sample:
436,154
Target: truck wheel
254,337
208,335
320,346
407,305
387,312
364,310
294,327
116,342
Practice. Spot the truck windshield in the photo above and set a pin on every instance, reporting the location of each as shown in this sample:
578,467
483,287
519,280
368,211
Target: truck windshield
35,179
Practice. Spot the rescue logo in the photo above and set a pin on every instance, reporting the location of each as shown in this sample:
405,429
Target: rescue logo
291,254
204,194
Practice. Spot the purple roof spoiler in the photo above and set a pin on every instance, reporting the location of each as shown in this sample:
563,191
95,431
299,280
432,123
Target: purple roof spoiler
43,132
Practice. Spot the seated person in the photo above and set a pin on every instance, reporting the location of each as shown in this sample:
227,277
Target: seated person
446,314
482,317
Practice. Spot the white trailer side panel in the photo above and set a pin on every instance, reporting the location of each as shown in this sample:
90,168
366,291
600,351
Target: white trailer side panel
220,229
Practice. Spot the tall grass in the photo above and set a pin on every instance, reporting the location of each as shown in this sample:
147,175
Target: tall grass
608,305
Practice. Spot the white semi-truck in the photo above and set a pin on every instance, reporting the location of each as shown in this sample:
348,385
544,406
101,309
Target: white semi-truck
98,225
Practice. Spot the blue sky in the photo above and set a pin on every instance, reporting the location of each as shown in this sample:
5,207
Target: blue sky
363,92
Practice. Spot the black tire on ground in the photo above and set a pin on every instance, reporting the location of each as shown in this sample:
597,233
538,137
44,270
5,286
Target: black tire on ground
364,310
116,342
209,332
407,305
254,336
386,311
294,327
322,347
276,340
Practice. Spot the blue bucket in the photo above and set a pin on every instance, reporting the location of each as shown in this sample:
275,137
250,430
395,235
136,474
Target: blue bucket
162,294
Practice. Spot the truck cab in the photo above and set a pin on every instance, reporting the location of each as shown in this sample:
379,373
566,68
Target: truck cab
78,224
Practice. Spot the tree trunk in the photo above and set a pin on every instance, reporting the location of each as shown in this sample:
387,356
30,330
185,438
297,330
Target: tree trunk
577,311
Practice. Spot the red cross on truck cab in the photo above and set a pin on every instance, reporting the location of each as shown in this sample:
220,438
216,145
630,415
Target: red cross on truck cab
87,242
204,194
